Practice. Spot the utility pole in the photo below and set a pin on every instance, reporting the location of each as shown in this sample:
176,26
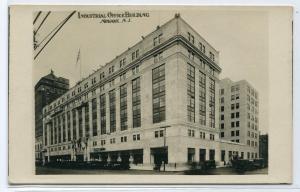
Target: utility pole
165,139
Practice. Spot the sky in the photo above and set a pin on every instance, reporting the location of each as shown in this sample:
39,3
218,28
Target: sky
241,37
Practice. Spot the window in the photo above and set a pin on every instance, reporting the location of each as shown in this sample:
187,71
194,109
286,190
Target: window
222,92
237,105
159,133
237,140
191,38
232,106
222,125
136,137
87,121
136,102
124,139
232,133
232,88
232,97
212,103
191,133
123,106
158,94
111,83
191,55
94,116
135,55
222,108
237,96
237,124
202,135
112,140
102,114
111,69
222,134
211,56
202,98
222,117
212,137
122,62
74,123
248,142
232,124
158,57
102,75
102,142
135,70
222,99
237,133
63,118
237,114
112,110
191,93
157,40
232,115
80,122
123,76
86,85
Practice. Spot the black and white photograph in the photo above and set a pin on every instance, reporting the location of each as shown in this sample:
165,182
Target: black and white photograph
151,91
141,92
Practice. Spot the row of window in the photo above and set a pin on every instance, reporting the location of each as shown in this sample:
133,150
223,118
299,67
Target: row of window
201,46
233,124
252,143
135,70
191,133
252,134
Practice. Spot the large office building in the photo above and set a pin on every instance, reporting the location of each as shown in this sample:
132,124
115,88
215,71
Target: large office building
156,102
47,89
239,114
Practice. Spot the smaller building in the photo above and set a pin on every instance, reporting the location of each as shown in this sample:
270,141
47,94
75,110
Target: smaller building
263,147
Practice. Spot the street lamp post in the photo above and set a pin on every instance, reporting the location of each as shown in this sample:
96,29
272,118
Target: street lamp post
165,151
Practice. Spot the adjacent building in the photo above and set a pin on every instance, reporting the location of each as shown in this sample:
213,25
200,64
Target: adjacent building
47,89
264,147
157,102
239,109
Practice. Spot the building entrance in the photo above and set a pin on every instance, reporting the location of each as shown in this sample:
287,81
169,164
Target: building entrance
160,157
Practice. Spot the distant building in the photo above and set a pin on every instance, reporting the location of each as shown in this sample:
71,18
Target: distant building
47,89
239,109
263,147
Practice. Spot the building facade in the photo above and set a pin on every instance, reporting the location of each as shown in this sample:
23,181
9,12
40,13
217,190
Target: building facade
239,109
47,89
155,103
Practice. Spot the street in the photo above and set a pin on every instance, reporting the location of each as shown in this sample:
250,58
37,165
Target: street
56,171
